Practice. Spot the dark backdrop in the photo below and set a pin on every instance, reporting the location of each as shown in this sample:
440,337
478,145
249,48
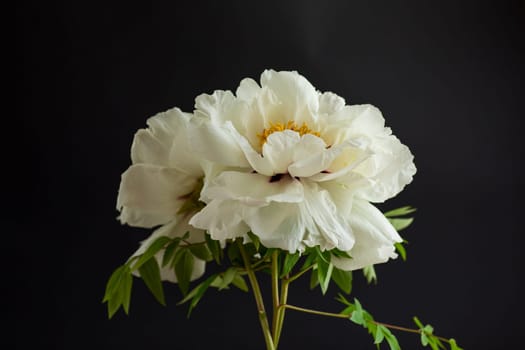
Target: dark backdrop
447,76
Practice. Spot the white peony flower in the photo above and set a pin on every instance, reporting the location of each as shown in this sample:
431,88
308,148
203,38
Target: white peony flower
163,184
300,169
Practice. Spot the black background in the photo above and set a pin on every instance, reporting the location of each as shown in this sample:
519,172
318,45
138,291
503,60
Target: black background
449,78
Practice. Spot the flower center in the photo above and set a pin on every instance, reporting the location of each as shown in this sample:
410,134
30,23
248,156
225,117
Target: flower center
290,125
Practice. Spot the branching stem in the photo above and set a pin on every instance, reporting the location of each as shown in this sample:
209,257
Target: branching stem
263,319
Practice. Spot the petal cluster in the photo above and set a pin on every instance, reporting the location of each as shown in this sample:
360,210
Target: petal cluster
296,167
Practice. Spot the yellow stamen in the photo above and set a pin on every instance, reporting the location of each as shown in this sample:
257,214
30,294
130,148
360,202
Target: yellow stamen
290,125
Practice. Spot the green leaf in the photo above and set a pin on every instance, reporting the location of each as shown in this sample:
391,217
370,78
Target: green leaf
152,249
309,261
324,274
114,303
255,240
314,279
196,293
234,254
289,262
170,251
391,339
343,279
401,223
324,256
227,277
370,274
201,251
453,344
401,250
357,315
114,282
340,254
215,248
400,211
379,335
150,274
183,270
418,323
239,282
127,284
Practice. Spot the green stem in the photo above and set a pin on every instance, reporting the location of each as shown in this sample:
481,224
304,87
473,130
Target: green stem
275,291
280,311
300,273
347,316
315,312
258,298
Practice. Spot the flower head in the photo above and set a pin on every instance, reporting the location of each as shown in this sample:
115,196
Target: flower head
162,186
298,168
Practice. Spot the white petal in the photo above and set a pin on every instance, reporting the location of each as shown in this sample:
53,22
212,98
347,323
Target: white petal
344,160
223,219
279,150
325,225
258,163
387,172
176,228
248,89
148,194
367,218
375,238
215,106
279,225
165,142
329,103
299,98
365,253
216,143
353,122
254,189
317,161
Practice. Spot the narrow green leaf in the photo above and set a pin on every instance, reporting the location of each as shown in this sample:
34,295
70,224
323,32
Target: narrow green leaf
324,274
379,335
343,279
196,293
401,223
234,254
325,256
340,254
255,240
215,248
400,211
210,280
114,282
453,344
152,249
289,262
239,282
309,261
401,250
341,298
228,277
418,323
183,271
370,274
201,251
126,285
170,251
314,279
391,339
150,274
114,302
